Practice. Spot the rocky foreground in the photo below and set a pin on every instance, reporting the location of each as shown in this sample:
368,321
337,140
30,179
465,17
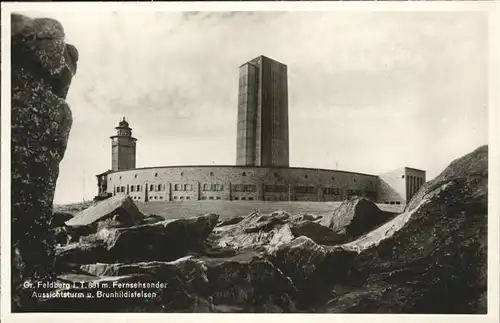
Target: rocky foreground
42,67
429,259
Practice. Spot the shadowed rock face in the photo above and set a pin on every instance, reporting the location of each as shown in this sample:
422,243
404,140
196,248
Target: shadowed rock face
432,258
166,240
42,68
355,217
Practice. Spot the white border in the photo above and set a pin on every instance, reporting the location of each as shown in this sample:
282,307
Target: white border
494,154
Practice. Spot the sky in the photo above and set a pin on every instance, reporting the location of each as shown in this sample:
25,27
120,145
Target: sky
368,91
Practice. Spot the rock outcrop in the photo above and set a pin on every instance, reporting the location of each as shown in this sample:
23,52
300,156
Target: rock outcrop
166,241
42,67
254,231
430,259
355,217
116,212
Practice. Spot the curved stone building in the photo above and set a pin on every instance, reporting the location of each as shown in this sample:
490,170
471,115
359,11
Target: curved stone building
261,171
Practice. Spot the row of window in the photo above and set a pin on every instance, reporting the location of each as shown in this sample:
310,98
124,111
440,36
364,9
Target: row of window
331,191
275,175
304,189
183,187
244,188
243,198
392,202
241,188
138,188
213,187
276,188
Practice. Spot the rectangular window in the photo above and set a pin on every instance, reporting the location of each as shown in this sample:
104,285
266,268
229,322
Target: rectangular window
353,192
237,188
138,188
219,187
331,191
151,187
276,188
132,188
177,187
188,187
304,189
249,188
206,187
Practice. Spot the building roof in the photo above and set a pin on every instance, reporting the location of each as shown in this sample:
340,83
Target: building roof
253,61
105,173
419,170
239,166
123,123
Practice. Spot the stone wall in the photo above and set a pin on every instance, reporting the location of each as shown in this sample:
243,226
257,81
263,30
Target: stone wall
240,183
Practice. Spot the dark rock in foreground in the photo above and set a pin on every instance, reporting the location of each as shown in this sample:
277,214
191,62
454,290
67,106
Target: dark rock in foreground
313,268
430,259
42,67
245,283
250,283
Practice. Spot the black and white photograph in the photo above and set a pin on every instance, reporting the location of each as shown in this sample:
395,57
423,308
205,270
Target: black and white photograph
249,161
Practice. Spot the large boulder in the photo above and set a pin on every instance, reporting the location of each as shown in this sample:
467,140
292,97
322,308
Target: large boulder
355,217
42,66
317,232
255,231
163,241
179,286
313,268
118,211
433,257
247,282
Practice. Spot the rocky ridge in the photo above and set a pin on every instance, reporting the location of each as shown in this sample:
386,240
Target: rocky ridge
261,263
